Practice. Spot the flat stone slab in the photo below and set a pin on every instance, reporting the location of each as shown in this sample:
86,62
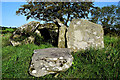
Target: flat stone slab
83,34
50,60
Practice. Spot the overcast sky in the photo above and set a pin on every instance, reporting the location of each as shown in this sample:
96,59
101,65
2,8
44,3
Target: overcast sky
10,19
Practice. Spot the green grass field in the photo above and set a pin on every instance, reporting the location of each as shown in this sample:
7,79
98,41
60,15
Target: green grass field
10,30
104,63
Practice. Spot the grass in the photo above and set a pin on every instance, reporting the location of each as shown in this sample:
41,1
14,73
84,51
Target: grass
16,60
10,30
91,63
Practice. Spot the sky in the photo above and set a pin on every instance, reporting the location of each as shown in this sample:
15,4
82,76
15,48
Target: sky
10,19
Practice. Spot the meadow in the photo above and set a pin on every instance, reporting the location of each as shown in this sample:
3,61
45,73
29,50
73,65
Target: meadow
104,63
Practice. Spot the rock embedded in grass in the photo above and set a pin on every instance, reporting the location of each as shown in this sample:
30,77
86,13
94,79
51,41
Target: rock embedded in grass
50,60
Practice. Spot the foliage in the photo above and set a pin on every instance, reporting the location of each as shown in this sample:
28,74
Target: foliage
108,17
118,11
5,39
48,11
105,15
87,64
6,30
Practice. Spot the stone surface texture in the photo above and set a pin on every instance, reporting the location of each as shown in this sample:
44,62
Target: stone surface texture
62,30
23,34
30,27
83,34
50,60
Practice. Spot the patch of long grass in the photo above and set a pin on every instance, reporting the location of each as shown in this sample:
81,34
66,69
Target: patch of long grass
16,60
91,63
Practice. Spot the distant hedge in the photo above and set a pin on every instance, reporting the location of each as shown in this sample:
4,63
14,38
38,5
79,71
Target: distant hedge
7,30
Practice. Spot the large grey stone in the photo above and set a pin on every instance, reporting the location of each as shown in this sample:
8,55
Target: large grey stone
26,33
83,34
50,60
23,34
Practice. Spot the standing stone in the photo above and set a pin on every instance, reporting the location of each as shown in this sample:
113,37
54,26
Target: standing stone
61,38
62,30
83,34
50,60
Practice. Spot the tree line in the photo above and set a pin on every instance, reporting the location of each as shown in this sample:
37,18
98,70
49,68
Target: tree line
107,16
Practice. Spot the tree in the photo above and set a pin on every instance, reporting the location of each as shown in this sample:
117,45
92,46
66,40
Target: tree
118,11
106,16
51,11
118,16
48,11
